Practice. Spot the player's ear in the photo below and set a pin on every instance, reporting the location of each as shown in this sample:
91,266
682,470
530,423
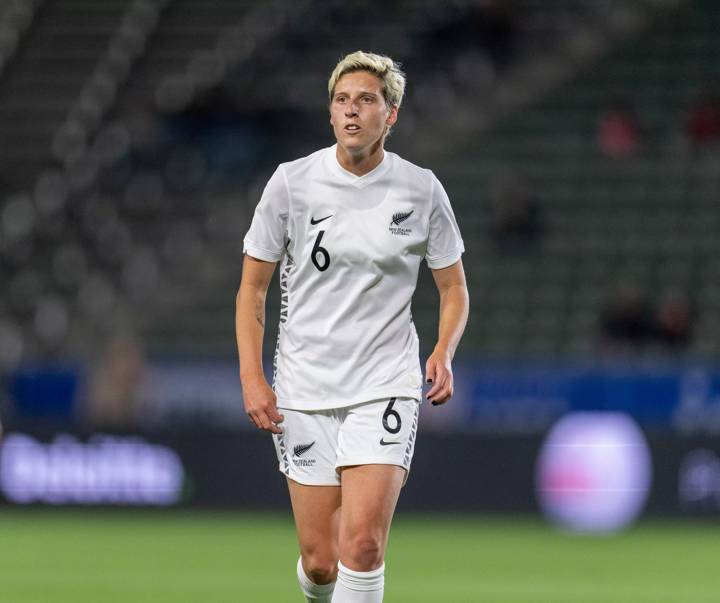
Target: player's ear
392,117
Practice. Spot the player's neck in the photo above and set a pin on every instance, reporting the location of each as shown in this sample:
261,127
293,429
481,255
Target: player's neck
362,163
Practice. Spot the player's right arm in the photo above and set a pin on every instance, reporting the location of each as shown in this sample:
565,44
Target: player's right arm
259,399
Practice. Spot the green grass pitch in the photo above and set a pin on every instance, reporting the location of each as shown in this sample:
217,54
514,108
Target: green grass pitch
163,557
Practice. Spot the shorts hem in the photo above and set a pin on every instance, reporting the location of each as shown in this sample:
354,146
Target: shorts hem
342,464
311,482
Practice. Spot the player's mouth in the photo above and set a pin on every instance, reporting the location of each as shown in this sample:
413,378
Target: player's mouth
352,128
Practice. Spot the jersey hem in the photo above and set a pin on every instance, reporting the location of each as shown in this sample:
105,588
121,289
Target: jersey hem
308,405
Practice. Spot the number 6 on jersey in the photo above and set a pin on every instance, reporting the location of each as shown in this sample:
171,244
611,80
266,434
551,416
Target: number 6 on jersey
324,255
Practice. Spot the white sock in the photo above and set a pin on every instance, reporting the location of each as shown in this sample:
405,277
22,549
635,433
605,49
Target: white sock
314,593
359,587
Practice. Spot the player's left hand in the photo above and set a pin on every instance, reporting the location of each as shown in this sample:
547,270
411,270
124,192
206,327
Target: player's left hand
438,371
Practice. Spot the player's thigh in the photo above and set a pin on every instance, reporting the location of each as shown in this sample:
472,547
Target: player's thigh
316,510
369,496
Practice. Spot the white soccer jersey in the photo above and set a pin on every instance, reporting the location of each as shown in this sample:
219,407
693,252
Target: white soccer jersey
350,248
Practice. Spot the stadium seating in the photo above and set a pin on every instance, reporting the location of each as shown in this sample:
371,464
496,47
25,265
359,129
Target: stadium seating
648,218
118,215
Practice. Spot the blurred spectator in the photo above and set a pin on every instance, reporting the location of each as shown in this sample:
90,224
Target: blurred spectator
112,396
515,221
703,119
619,135
674,319
630,319
626,319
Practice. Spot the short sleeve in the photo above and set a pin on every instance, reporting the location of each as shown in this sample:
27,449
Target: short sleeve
445,244
267,235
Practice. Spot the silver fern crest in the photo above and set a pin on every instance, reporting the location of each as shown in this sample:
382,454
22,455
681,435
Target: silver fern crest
400,217
301,449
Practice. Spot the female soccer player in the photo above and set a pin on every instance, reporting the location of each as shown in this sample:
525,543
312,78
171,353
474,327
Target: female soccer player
350,224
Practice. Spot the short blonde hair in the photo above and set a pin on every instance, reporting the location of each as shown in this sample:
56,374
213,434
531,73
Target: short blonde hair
387,70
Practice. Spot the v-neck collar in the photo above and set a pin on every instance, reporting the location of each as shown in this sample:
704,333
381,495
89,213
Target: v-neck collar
353,179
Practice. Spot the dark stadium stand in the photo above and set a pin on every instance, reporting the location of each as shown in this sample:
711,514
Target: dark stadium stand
136,137
650,218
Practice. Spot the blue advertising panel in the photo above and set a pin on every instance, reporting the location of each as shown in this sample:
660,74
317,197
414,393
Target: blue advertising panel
489,396
529,398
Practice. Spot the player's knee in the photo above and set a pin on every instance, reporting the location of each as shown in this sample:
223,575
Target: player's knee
364,553
321,569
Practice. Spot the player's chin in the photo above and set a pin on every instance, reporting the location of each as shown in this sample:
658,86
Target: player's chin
351,141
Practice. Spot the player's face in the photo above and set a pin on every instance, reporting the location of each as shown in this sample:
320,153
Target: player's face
359,114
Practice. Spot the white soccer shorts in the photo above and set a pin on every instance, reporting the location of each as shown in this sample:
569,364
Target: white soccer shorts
315,445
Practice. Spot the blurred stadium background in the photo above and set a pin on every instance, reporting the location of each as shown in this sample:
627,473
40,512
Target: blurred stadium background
580,145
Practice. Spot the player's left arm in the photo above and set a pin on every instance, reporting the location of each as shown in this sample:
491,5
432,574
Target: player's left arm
454,305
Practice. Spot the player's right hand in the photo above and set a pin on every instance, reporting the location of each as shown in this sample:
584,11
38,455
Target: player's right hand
261,405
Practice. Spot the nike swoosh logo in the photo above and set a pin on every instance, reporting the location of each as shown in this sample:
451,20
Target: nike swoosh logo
313,221
384,443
